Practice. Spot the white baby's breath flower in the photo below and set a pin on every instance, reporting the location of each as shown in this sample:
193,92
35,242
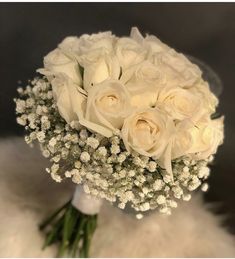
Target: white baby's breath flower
204,172
115,149
49,95
41,136
161,199
93,142
172,204
74,138
20,90
145,190
22,120
204,187
178,192
131,173
164,210
121,205
145,206
194,183
187,197
54,168
52,142
85,157
39,110
56,158
121,158
139,216
44,119
20,106
30,102
158,184
68,174
76,178
46,153
83,134
102,151
152,165
64,152
56,177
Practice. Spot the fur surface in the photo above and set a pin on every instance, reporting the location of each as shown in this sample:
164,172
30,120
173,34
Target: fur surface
28,194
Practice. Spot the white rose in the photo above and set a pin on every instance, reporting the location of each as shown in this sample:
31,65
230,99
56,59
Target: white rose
200,140
207,136
70,99
108,105
136,35
180,103
154,44
144,99
70,46
57,62
129,52
182,141
209,100
179,71
72,102
143,76
147,132
99,41
150,42
142,80
98,67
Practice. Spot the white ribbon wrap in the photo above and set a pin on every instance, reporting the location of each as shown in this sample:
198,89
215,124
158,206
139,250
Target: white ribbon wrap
86,203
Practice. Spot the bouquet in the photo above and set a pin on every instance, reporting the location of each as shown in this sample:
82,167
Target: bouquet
129,120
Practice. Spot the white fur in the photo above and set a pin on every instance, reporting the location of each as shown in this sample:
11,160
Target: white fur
28,194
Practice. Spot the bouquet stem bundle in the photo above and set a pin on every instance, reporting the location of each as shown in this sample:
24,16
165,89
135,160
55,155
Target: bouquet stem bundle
71,229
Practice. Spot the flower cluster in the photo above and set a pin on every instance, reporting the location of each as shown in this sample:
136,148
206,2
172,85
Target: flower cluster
129,118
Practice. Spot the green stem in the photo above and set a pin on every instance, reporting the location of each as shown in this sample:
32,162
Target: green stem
66,231
88,239
88,233
53,235
77,239
48,220
73,230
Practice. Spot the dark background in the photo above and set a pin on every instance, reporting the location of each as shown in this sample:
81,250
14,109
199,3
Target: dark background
28,31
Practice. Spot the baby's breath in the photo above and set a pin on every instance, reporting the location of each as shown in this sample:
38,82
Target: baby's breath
104,167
